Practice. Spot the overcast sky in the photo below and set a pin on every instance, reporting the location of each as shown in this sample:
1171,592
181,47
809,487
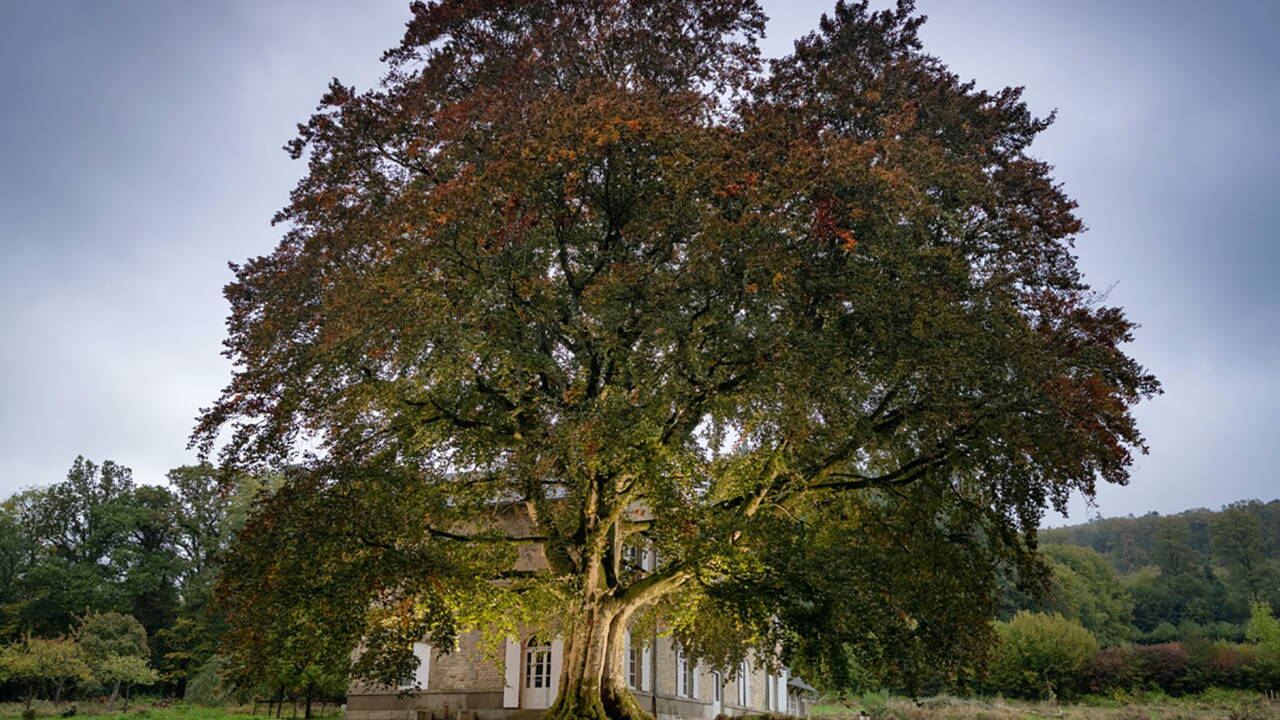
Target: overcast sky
140,152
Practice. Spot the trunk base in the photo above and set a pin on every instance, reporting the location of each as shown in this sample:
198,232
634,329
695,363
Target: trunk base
580,702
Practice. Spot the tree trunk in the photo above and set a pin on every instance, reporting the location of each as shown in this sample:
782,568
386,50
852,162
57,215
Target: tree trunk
307,715
57,691
592,684
115,691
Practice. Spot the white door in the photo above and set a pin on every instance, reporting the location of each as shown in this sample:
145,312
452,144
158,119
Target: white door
538,691
717,693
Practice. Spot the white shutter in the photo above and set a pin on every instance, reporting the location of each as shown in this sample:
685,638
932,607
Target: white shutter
746,684
646,679
511,675
697,684
626,660
421,669
782,691
422,651
557,661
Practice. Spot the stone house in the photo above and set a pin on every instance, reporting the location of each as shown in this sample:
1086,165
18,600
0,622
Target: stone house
465,684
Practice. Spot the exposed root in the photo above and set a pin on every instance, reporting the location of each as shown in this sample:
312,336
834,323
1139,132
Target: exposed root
584,703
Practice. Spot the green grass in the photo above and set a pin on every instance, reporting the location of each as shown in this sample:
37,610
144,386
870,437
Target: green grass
159,710
1212,705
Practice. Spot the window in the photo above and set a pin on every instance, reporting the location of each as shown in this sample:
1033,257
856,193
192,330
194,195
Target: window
717,681
635,664
639,557
537,664
744,685
685,677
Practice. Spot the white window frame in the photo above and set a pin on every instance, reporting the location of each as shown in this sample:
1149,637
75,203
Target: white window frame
635,664
537,665
744,684
686,676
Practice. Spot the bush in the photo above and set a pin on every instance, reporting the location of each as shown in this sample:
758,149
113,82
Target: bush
1112,670
1264,630
1229,667
1217,664
1164,665
1041,656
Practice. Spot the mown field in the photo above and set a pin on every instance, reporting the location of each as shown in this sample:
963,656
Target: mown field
1213,705
146,710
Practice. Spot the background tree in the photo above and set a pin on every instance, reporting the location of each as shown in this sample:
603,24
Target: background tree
127,671
1185,588
17,555
79,527
572,259
1239,545
1041,656
1084,587
201,529
108,637
145,558
99,543
44,662
183,648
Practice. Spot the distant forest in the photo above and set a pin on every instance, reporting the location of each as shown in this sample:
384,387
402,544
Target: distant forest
99,549
1179,603
1162,578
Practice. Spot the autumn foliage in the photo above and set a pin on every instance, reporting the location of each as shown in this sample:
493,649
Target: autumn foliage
582,255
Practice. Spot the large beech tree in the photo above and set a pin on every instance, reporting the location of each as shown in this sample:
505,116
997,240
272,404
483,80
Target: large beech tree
820,315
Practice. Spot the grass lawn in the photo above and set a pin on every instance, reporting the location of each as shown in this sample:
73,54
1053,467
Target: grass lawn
155,710
1212,705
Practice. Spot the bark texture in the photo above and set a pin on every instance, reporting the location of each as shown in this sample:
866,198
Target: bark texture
592,683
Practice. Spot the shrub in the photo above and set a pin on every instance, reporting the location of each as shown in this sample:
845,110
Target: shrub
1041,656
1264,630
1218,664
1111,670
1164,665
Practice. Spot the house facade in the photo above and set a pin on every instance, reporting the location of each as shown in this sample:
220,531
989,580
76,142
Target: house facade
467,684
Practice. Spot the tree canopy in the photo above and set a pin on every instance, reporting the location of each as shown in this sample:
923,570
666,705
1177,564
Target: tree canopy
580,258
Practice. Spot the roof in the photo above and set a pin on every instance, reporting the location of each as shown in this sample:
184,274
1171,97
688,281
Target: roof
796,682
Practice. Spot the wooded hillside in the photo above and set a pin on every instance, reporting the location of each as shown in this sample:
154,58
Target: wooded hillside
1165,576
